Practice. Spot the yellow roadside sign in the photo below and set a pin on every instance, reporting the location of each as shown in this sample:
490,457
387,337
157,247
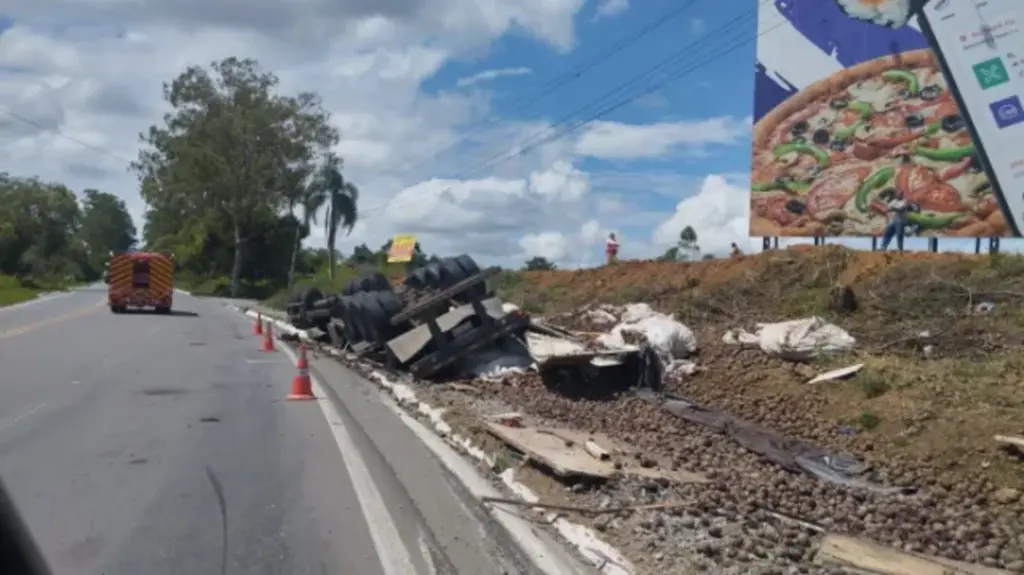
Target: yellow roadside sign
402,249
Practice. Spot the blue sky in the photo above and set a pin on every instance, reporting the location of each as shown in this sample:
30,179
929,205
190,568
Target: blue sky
721,88
399,92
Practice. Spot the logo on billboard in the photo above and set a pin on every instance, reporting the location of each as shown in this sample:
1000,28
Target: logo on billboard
991,73
402,249
1007,111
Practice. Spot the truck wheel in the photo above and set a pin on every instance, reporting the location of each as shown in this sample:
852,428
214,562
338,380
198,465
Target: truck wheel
163,310
375,281
469,268
310,297
116,309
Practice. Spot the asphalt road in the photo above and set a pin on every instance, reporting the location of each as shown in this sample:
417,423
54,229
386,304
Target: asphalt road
118,431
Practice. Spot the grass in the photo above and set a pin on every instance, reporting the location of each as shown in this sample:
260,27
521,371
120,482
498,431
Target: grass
13,290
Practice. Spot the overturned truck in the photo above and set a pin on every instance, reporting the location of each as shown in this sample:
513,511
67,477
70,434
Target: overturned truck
439,315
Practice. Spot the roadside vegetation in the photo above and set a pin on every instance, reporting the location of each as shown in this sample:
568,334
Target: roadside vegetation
52,238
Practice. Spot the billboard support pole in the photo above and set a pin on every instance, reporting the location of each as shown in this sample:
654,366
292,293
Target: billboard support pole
775,242
993,246
933,244
766,243
874,244
977,246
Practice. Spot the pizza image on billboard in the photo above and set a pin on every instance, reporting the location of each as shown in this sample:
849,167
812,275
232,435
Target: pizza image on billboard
851,111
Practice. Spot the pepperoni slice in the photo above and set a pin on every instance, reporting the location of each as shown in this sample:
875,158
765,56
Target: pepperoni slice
891,131
923,187
773,209
833,189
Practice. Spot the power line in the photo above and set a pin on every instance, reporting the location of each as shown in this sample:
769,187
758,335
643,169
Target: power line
62,135
606,103
552,85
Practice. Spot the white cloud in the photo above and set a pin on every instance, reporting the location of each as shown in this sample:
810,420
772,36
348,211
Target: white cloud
494,74
609,8
616,140
552,246
95,87
718,212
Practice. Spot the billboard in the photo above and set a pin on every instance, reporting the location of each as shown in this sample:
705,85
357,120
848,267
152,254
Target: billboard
853,108
402,249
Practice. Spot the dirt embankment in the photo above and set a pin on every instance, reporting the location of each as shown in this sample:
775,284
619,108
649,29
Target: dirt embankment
939,335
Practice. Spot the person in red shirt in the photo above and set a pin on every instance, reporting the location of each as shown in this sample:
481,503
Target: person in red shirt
611,249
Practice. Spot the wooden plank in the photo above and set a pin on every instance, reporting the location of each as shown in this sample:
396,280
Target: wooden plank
565,452
868,557
562,457
1013,440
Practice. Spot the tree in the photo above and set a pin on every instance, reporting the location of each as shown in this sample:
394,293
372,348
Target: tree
106,226
670,255
229,153
687,248
537,263
340,197
39,222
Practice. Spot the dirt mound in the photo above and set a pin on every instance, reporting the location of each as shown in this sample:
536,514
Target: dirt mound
939,335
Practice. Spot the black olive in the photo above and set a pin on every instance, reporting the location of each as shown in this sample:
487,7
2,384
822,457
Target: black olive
888,194
799,128
914,120
953,123
821,137
930,92
839,103
837,145
983,189
796,206
905,94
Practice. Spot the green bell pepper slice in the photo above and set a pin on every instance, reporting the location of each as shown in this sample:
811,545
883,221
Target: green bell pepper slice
873,182
821,156
904,77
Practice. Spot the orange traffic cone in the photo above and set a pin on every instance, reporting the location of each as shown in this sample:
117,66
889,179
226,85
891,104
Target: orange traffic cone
257,328
302,385
268,338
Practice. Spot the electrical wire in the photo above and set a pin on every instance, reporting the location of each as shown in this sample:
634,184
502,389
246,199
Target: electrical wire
672,68
550,87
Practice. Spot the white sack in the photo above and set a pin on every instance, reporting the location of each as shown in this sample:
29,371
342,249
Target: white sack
669,338
635,312
803,339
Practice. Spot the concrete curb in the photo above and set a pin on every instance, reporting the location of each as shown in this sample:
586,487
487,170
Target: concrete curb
605,558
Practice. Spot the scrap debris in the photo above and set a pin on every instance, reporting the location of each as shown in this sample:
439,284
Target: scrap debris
570,453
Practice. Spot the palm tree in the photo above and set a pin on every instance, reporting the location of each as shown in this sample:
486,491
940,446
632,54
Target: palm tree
310,199
341,197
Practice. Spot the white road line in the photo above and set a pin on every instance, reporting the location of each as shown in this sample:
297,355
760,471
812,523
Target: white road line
391,551
24,415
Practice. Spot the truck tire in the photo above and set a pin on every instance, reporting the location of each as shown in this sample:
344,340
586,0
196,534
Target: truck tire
469,268
452,272
374,281
353,318
350,287
163,310
310,297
